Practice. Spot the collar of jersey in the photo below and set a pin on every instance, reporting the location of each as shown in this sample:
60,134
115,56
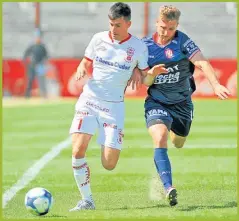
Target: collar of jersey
155,39
126,39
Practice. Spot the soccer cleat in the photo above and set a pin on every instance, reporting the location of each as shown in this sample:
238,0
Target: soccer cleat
172,196
84,205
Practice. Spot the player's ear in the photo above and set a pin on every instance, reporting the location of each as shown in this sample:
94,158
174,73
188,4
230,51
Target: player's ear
129,23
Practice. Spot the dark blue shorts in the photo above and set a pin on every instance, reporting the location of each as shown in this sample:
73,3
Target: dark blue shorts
177,117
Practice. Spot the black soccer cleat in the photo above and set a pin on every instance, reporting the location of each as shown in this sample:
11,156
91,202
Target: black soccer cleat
172,196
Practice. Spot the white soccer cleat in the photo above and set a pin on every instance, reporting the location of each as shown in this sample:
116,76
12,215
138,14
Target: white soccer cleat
83,205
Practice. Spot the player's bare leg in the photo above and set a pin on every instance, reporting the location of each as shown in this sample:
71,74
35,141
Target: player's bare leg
109,157
80,143
178,141
81,171
159,133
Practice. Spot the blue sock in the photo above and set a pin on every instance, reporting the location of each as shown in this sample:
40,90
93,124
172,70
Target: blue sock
163,166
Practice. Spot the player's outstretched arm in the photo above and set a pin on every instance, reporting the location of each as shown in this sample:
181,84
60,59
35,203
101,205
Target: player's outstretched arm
136,79
202,63
149,75
146,77
83,68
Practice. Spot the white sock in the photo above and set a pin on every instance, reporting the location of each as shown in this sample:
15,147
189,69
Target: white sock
82,177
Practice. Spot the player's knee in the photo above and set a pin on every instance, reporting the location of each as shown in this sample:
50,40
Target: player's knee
78,150
161,140
159,133
109,165
79,145
178,143
78,154
109,157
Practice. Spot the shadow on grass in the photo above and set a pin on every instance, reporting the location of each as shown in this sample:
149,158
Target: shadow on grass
227,205
139,207
54,216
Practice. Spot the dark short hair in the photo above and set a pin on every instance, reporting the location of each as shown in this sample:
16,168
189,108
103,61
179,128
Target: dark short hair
119,10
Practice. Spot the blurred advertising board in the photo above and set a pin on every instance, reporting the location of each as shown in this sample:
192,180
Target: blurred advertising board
61,81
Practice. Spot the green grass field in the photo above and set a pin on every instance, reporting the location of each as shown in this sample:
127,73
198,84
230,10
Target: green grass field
204,171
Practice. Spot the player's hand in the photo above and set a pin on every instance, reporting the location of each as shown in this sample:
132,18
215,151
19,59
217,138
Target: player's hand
157,69
79,74
136,79
221,91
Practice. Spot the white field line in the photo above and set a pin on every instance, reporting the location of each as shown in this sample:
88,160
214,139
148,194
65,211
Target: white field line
32,172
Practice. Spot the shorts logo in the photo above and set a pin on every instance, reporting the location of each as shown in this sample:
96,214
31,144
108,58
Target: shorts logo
168,53
121,135
114,126
156,112
130,53
97,107
81,113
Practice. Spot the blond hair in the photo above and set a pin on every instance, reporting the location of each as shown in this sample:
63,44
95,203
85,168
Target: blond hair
169,12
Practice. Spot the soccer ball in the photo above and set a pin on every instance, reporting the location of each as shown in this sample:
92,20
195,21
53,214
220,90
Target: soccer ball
38,201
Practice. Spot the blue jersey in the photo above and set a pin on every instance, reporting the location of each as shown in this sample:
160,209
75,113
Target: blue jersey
173,87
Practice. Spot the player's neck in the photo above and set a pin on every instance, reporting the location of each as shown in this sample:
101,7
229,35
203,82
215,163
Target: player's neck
160,41
121,39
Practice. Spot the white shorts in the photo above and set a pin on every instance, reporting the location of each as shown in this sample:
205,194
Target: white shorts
108,117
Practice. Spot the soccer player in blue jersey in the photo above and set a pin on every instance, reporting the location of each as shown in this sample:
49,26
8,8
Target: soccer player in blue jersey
168,106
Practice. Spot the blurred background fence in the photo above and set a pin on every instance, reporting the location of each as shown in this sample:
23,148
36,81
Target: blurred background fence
68,27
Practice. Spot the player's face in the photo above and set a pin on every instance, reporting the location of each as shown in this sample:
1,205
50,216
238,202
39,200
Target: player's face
166,30
119,28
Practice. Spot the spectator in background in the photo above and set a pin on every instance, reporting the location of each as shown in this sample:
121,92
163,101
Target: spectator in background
34,59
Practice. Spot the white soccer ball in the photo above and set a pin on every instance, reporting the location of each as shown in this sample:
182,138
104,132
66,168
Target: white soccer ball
38,201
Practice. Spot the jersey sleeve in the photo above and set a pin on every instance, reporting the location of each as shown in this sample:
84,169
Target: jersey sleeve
188,46
143,58
89,51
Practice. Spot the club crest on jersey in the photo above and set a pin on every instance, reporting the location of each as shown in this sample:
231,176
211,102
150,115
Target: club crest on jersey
168,53
130,53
